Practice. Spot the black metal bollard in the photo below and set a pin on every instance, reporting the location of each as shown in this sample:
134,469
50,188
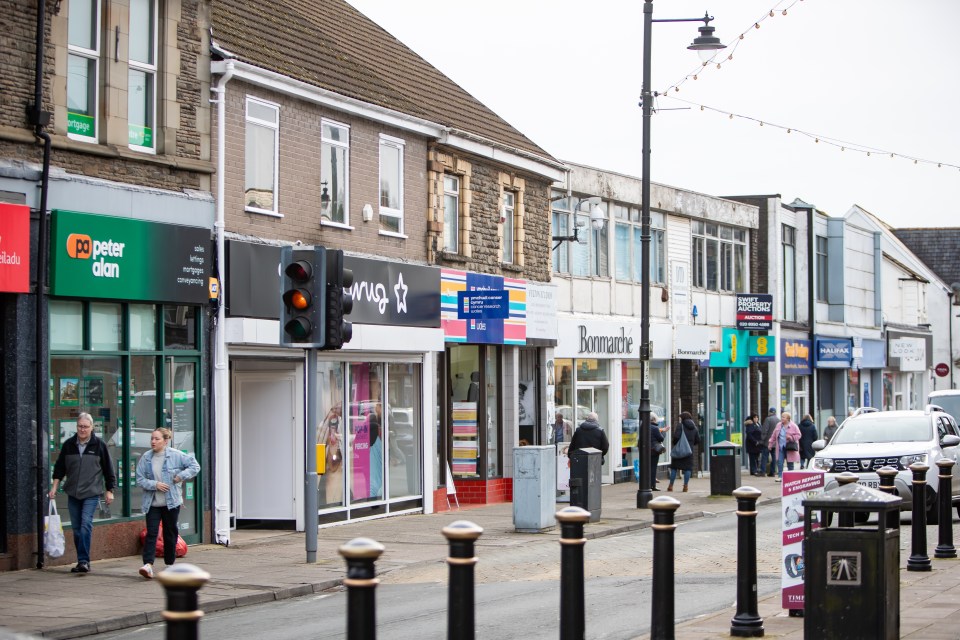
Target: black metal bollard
945,548
747,623
461,536
361,555
919,560
182,582
662,593
572,609
887,476
846,519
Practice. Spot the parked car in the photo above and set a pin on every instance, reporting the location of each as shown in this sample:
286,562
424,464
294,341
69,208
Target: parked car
567,412
948,400
873,439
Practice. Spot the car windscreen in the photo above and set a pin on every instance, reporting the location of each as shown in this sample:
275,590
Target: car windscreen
950,404
884,430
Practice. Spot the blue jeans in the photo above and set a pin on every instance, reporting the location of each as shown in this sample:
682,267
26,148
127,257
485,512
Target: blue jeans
686,475
171,531
765,461
783,454
81,520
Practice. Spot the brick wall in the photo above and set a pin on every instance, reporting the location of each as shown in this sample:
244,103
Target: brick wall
298,197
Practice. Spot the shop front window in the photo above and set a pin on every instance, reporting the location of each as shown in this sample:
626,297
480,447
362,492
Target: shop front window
403,429
474,425
631,382
492,411
331,433
364,425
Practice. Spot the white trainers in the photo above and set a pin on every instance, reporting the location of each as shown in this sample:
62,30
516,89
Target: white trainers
147,571
777,479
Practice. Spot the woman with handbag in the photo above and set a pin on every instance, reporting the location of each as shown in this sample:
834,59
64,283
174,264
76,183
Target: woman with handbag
656,448
160,472
685,437
785,442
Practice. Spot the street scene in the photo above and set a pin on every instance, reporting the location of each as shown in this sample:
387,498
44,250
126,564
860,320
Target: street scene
665,301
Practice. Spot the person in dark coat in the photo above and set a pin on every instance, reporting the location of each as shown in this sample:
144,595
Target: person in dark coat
831,429
754,442
589,434
808,433
689,428
656,438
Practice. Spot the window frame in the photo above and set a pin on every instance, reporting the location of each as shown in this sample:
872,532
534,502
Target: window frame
719,257
451,220
508,221
788,244
275,126
823,290
399,145
630,221
327,144
560,227
150,71
93,87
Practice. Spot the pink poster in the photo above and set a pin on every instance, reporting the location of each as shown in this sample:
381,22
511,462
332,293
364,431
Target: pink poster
797,486
360,422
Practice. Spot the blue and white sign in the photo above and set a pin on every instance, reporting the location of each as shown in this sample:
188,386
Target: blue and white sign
483,304
834,353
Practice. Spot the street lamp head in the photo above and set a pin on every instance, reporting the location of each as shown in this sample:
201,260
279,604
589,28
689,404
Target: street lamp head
597,217
706,44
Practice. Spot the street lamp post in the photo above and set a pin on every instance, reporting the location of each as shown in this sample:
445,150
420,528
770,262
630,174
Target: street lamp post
705,44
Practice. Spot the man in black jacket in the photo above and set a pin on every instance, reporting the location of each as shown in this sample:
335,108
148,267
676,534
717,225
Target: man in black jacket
590,435
85,461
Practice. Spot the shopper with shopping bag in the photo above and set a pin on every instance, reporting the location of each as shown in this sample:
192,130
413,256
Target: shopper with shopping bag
53,541
686,436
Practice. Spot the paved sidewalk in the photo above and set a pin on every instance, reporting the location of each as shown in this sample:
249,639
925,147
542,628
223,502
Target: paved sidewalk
264,566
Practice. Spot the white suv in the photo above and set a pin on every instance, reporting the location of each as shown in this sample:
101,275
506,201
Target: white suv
870,440
948,399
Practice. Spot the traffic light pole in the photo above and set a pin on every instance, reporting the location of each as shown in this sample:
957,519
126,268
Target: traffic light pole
311,517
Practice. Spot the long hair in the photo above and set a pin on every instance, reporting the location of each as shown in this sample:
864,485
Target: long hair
686,416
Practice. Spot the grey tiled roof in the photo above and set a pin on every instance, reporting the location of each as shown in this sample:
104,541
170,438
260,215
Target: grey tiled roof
938,248
331,45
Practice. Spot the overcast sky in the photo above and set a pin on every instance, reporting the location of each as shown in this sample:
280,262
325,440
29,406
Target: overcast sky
567,73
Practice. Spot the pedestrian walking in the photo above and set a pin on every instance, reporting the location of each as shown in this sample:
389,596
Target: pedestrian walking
656,448
785,442
808,434
590,434
766,454
84,461
685,437
754,441
561,429
160,472
831,429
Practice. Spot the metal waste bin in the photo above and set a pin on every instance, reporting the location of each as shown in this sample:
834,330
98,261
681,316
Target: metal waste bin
585,474
724,468
851,584
534,488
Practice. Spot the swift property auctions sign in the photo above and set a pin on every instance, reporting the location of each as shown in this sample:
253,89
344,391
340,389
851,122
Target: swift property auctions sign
97,256
754,311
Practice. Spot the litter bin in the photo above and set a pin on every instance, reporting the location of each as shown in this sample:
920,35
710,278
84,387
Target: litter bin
851,584
724,468
585,476
534,488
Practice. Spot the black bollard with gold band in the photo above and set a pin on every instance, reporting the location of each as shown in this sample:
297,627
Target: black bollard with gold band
662,594
361,582
887,477
945,548
461,536
919,560
572,606
182,582
747,623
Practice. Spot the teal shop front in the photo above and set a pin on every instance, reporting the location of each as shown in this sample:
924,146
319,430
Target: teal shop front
723,383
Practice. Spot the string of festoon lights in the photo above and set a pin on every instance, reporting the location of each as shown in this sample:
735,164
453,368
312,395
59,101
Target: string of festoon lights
726,55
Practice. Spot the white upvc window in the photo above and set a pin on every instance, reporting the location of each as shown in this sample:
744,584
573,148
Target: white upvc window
391,185
507,221
719,257
628,245
142,76
789,241
262,156
334,173
451,213
83,69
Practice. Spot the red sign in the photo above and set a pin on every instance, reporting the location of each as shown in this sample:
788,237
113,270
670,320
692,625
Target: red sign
14,248
942,369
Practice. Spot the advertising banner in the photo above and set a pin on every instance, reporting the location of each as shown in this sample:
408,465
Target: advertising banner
461,325
797,486
755,311
126,259
795,357
834,353
14,248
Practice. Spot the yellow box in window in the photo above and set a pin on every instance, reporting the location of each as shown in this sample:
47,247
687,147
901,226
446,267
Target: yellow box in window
321,459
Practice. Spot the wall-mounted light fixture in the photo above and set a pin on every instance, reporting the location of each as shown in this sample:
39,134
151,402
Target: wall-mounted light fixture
597,217
367,213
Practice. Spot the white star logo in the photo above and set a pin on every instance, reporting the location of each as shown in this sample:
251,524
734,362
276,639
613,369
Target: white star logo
401,292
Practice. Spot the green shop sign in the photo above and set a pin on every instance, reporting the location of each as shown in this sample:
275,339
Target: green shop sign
81,125
96,256
140,136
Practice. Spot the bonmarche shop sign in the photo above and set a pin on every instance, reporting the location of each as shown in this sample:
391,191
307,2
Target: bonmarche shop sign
605,344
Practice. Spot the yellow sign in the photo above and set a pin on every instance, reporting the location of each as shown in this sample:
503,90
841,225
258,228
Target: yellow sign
736,438
321,459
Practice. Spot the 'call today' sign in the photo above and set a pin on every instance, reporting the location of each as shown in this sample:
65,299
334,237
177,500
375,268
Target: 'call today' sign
96,256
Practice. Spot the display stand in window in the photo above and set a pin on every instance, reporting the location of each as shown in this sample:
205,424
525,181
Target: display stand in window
466,444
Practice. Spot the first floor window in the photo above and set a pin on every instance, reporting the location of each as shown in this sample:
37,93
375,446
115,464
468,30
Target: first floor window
261,155
83,58
451,213
508,220
142,75
391,185
719,257
334,171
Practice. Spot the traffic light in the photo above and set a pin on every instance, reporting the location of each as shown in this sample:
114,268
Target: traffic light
339,301
303,285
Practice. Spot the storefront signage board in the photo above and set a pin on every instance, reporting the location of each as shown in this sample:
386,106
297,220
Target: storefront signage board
755,311
734,350
795,357
485,305
509,330
797,487
541,311
96,256
14,248
763,348
834,353
691,342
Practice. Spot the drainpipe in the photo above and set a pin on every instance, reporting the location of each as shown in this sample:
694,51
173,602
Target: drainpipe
221,454
950,359
39,119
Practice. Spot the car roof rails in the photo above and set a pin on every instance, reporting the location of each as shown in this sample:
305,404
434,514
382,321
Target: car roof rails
863,410
930,408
